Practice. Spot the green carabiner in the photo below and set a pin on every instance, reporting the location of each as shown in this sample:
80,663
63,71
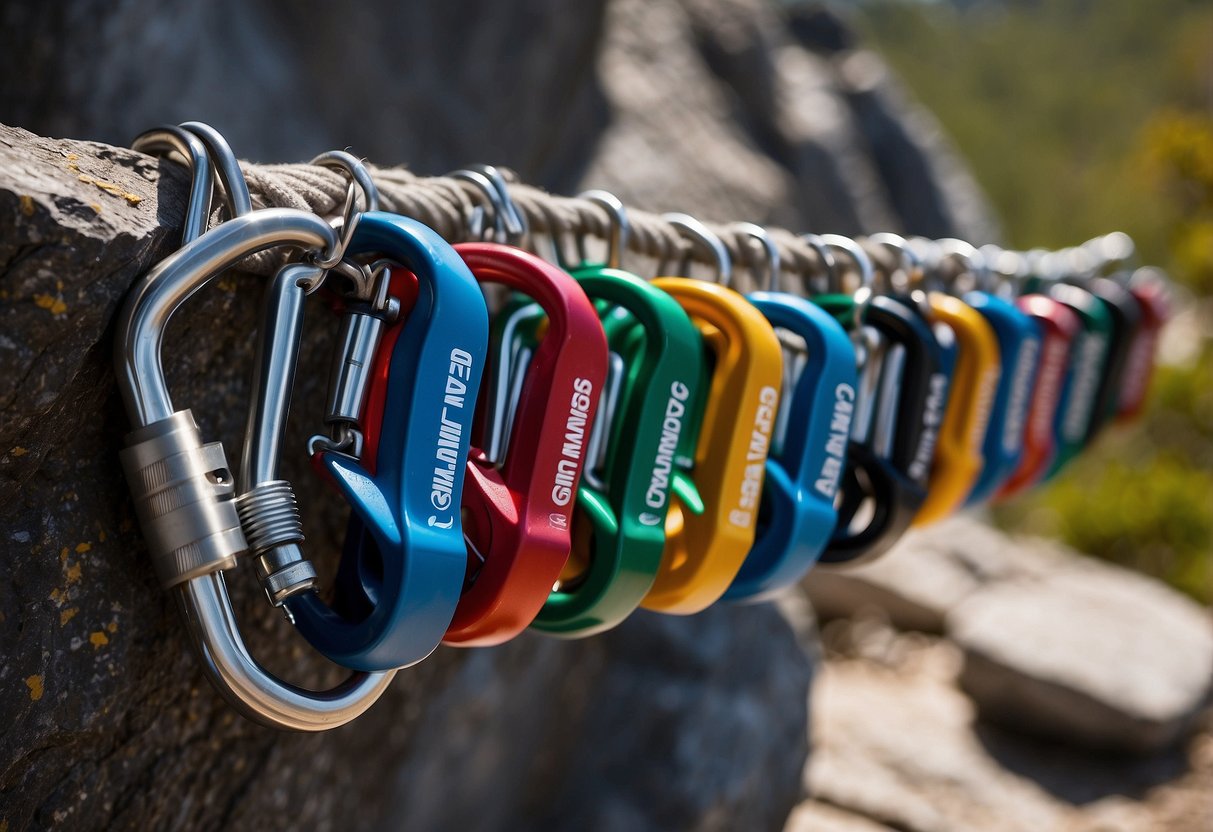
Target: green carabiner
642,442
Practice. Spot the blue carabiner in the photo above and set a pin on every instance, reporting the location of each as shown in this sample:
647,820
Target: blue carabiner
1019,344
797,515
403,566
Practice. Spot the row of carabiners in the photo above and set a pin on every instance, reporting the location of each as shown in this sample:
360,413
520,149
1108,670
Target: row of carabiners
602,442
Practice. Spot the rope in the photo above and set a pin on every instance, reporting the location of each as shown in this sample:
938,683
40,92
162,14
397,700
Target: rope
446,204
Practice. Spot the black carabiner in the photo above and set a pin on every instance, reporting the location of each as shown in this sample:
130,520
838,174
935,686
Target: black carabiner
903,395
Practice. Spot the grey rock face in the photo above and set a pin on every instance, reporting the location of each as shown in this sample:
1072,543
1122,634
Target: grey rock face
1071,648
899,749
108,722
897,744
1097,656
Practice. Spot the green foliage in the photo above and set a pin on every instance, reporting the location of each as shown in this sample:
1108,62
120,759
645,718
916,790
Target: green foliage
1078,118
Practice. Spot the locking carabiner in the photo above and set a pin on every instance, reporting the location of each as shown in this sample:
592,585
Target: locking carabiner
958,458
1019,346
184,492
902,397
743,371
808,449
517,504
402,570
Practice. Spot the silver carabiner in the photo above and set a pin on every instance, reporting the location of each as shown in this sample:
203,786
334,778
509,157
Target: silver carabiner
183,489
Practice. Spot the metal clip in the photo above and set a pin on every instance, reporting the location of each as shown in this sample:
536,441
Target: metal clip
808,452
1149,286
403,567
743,368
1019,348
902,397
641,444
518,505
183,487
1058,327
958,460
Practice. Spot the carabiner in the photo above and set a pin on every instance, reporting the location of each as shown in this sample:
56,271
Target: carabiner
1058,327
1019,347
1149,287
190,519
902,397
639,450
402,570
1126,316
640,446
808,449
743,369
1076,411
517,505
958,458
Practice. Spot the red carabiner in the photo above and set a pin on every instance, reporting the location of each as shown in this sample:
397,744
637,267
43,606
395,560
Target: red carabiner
517,515
1152,295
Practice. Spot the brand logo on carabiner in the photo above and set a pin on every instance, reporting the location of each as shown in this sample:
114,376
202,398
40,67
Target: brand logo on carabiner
574,438
450,434
663,463
1017,406
932,418
836,444
1086,380
756,455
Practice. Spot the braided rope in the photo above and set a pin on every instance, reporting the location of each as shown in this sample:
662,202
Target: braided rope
446,204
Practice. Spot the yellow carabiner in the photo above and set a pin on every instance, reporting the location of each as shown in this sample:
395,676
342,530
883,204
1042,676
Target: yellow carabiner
704,550
958,458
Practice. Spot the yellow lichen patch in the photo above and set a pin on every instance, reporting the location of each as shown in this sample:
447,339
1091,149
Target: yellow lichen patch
67,615
73,573
27,205
58,596
54,305
81,548
63,553
34,683
112,626
98,639
19,451
96,206
101,536
108,187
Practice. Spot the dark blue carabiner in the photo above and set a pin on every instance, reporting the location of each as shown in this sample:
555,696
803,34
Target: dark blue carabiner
1019,342
796,515
403,566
